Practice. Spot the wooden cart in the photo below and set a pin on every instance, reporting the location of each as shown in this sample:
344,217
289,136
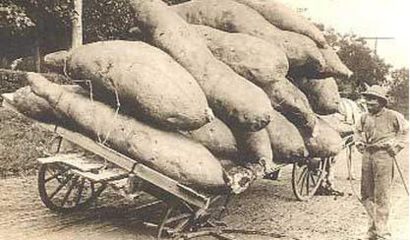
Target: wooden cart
68,182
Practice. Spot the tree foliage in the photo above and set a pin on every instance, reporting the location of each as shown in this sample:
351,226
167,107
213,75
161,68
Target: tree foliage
39,10
102,19
399,90
400,81
49,29
14,20
107,19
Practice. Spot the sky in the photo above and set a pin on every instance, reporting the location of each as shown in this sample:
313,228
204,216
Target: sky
366,18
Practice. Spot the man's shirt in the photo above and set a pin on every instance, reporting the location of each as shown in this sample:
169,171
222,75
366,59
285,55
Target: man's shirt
382,129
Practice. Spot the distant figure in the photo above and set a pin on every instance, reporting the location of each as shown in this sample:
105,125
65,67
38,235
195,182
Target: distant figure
381,134
351,112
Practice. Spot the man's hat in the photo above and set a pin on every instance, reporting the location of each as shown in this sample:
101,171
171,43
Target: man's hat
376,91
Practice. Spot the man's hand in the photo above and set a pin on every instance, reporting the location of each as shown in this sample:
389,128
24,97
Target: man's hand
360,146
394,149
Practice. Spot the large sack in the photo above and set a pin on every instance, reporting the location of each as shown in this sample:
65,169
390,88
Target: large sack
334,67
31,105
231,16
291,102
36,107
263,64
323,141
57,61
337,122
217,137
246,148
149,83
286,19
235,100
253,58
170,153
323,94
254,148
286,141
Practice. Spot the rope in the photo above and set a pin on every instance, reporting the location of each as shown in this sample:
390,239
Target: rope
117,98
65,68
90,85
118,105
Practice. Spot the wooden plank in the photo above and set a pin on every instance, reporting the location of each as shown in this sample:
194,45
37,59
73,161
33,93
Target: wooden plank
103,176
170,185
88,144
76,161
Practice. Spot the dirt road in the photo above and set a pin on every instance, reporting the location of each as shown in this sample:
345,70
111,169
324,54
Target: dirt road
267,205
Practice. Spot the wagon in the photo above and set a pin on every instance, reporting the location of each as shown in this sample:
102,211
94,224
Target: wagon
68,182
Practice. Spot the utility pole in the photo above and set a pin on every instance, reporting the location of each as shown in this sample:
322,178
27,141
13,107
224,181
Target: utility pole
376,39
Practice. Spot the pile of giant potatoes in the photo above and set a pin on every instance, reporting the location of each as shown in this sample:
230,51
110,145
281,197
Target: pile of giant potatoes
212,93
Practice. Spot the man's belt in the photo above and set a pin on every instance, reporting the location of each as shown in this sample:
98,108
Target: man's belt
373,148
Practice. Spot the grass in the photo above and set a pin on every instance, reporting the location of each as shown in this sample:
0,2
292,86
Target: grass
21,143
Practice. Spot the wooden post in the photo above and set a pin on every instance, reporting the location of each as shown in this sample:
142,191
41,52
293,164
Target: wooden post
37,50
37,54
77,26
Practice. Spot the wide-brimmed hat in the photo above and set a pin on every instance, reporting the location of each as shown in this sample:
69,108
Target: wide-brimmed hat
376,91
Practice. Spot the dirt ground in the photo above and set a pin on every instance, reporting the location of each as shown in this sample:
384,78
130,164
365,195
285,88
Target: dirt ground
266,206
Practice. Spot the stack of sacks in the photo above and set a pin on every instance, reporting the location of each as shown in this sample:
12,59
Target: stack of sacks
262,63
286,19
168,152
124,78
285,31
230,16
264,72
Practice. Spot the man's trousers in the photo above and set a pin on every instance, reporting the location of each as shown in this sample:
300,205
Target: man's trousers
376,182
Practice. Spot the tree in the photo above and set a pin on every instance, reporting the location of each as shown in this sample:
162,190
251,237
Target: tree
399,90
77,24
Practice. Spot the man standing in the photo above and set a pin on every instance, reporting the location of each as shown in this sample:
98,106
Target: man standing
381,134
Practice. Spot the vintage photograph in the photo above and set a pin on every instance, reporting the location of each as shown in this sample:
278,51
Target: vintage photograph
204,119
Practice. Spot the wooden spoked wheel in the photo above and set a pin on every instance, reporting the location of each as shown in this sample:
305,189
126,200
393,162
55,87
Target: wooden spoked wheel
61,190
307,176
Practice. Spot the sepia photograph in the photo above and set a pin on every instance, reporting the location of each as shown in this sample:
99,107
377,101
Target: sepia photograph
204,119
